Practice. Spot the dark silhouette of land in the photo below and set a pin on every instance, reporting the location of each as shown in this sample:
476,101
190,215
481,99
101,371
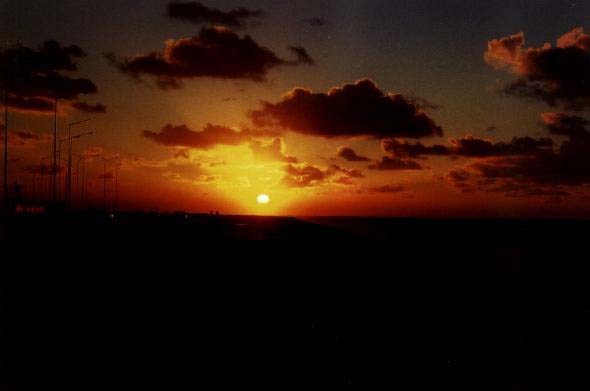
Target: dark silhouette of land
277,302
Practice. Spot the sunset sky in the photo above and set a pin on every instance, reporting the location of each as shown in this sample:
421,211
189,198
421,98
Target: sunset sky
394,108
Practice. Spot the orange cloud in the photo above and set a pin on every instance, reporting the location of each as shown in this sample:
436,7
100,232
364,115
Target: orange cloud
209,137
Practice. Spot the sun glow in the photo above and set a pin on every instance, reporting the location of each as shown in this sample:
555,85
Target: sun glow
262,199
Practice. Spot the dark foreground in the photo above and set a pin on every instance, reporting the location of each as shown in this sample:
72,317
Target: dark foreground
181,302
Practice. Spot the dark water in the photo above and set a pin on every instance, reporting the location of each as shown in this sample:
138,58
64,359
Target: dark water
181,301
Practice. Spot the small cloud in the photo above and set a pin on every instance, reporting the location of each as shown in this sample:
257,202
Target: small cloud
349,154
272,151
88,108
209,137
316,21
197,13
395,163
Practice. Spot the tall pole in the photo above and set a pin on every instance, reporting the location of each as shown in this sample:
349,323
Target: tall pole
5,169
85,187
59,176
42,178
69,173
5,180
117,187
53,171
33,187
104,177
84,181
78,192
69,177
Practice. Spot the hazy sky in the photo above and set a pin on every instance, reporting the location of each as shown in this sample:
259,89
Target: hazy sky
435,54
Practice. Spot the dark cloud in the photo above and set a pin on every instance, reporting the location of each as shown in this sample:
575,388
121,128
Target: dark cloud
316,21
216,52
358,109
469,146
401,148
272,151
302,56
306,175
49,56
196,12
566,125
32,104
302,175
53,84
567,165
88,108
556,75
209,137
474,147
516,190
24,138
395,163
344,180
422,103
570,165
458,175
349,154
32,76
524,159
349,172
460,179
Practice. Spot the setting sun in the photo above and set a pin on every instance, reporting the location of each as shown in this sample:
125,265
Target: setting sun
262,199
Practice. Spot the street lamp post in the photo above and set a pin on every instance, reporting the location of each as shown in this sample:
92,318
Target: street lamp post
79,193
68,177
43,178
5,177
104,177
117,186
54,193
57,197
70,138
5,167
69,189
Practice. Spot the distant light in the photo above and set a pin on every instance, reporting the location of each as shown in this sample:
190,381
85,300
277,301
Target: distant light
262,199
